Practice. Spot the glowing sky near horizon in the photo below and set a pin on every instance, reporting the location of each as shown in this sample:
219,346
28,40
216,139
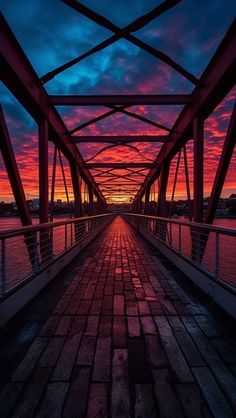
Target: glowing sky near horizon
51,34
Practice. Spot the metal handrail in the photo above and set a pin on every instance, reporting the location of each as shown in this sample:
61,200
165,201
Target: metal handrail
39,227
207,227
28,250
211,249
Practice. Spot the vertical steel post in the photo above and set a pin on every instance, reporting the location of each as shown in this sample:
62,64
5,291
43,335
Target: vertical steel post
91,203
53,183
76,189
226,155
198,136
187,183
161,205
43,171
146,203
175,182
45,247
79,212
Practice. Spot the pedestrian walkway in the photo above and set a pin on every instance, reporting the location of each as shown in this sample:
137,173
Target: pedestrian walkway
125,340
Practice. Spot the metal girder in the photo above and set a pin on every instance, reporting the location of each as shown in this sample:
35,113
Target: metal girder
216,81
118,177
140,117
13,172
122,33
228,148
118,100
20,78
120,183
120,139
94,120
127,175
117,165
43,171
198,138
161,204
79,211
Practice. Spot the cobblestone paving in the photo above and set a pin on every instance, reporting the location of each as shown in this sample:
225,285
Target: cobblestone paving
125,340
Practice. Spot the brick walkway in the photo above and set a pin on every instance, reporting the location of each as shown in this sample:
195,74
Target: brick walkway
125,340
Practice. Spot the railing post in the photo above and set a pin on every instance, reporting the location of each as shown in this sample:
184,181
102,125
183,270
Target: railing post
4,267
35,254
170,234
180,240
217,254
66,237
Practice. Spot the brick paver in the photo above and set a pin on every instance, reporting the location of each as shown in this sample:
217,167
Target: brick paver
125,340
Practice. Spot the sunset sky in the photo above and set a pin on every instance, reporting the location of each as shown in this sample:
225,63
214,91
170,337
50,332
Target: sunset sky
52,33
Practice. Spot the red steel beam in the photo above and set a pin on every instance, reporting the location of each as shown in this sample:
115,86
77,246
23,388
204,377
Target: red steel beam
118,100
20,78
118,165
198,137
161,204
140,117
216,81
13,172
76,190
43,171
228,148
94,120
120,139
123,33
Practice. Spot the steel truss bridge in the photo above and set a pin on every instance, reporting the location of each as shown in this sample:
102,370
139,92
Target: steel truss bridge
108,180
121,332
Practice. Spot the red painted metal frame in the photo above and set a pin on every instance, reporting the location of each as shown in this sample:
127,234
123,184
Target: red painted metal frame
228,148
120,139
198,136
43,171
119,100
20,78
123,33
118,165
216,81
13,172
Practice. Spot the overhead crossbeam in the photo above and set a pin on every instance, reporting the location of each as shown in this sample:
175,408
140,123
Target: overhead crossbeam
122,33
120,99
118,165
120,139
131,183
121,109
94,120
141,118
119,177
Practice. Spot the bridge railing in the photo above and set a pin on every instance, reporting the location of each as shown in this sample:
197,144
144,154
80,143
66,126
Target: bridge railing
27,251
210,248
